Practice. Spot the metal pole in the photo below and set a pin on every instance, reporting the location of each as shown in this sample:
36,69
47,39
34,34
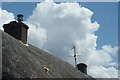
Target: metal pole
75,55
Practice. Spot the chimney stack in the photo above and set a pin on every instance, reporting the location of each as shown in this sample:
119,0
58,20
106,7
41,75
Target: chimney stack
82,67
17,29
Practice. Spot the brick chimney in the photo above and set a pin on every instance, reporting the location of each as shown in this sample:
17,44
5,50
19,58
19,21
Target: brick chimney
17,29
82,67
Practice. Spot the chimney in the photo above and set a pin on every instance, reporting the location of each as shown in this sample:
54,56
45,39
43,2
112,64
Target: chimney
20,17
17,29
82,67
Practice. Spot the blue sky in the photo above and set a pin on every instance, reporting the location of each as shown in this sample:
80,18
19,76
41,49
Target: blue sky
25,8
105,13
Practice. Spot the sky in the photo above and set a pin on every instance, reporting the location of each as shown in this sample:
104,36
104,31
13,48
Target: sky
107,23
55,27
61,0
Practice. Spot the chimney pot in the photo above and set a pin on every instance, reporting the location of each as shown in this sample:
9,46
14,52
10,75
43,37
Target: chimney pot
82,67
20,17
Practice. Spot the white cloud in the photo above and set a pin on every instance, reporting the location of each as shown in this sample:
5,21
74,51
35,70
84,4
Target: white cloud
119,74
114,64
5,17
56,27
37,35
102,72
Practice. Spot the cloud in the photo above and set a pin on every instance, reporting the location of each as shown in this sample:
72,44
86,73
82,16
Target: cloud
102,57
5,17
56,27
102,72
119,74
37,35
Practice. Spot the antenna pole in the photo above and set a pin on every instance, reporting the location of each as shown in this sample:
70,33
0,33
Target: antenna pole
75,55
